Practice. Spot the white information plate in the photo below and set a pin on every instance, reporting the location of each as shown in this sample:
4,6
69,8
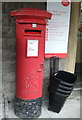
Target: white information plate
32,48
58,29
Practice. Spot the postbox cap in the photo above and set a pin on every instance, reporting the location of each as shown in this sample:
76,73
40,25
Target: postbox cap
31,15
30,12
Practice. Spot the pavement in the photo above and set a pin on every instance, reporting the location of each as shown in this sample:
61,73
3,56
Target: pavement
71,108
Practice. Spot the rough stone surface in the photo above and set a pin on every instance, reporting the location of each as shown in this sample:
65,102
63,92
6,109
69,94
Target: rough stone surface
28,108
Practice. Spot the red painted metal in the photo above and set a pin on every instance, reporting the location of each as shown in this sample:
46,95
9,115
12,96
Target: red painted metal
31,13
29,69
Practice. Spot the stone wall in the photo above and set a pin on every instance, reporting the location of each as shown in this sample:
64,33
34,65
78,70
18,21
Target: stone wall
9,49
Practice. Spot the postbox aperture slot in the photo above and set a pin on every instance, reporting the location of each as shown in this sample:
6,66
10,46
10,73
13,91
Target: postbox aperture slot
32,32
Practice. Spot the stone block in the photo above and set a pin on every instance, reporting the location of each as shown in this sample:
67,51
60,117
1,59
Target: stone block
0,86
62,63
0,19
5,19
8,77
0,76
6,87
45,91
1,99
38,5
0,43
1,111
8,55
10,96
46,72
0,5
11,43
4,43
0,66
13,87
3,7
19,5
11,32
9,91
4,31
12,22
8,66
0,55
8,6
8,31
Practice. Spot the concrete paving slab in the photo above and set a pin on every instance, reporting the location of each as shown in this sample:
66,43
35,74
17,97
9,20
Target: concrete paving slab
71,108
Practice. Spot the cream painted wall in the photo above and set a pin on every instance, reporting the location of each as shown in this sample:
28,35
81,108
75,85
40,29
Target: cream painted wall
79,51
79,47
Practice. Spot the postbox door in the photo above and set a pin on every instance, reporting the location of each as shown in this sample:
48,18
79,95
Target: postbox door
30,60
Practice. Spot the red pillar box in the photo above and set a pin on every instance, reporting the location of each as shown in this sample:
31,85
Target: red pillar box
30,39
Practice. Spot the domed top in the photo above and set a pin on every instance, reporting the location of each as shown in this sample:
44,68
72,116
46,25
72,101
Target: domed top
30,12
